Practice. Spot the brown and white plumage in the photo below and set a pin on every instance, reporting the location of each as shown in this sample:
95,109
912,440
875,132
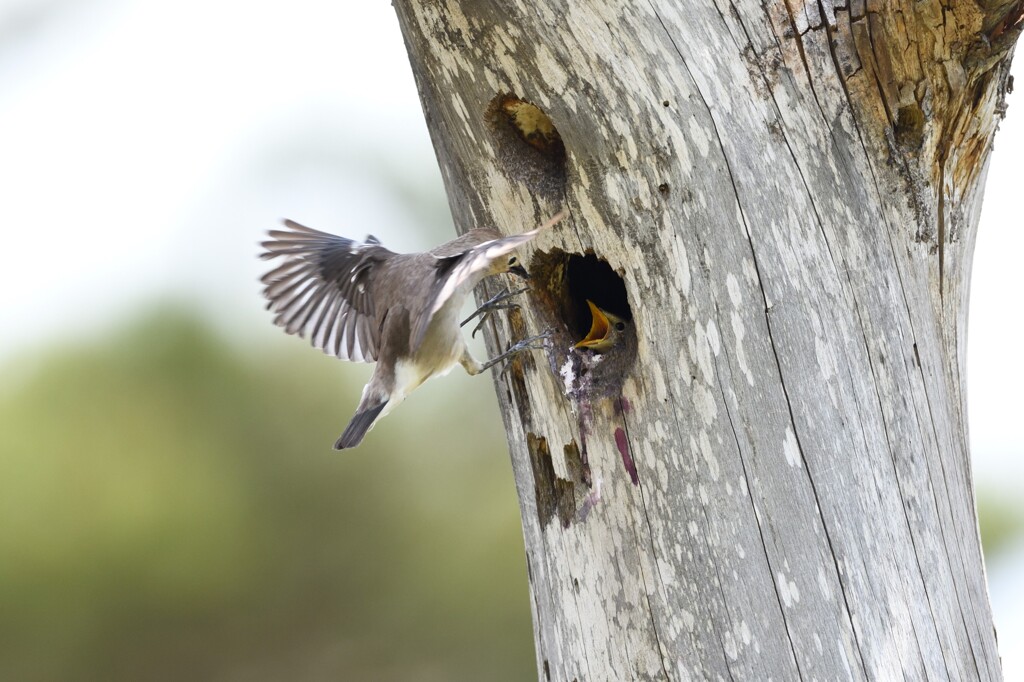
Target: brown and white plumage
323,289
361,302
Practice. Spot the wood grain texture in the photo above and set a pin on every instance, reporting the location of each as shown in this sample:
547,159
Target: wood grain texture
790,192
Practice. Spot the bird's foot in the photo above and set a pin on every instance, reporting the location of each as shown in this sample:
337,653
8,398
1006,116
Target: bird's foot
538,342
497,302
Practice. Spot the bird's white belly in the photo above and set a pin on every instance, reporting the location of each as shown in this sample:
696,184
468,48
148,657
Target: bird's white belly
442,344
439,352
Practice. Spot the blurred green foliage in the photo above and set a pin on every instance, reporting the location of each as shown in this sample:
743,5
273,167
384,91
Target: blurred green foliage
171,509
1001,520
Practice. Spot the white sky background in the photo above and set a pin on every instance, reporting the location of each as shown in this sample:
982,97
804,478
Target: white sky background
145,146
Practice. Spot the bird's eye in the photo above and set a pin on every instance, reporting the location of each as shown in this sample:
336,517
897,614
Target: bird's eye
512,261
620,326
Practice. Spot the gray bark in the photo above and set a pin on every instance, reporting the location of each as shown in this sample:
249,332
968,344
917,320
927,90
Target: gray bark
777,481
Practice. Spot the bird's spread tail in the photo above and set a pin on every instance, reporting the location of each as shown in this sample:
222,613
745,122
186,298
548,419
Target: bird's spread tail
360,424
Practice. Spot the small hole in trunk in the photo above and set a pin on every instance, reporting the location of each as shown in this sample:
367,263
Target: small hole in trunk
528,145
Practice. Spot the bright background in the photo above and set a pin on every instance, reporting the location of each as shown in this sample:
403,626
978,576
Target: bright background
169,506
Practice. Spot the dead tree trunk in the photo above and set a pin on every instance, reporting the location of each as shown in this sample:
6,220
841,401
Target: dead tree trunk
767,476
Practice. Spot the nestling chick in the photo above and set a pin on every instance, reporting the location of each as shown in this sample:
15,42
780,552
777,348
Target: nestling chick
606,330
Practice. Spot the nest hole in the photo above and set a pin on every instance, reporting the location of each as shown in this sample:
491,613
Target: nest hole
564,282
528,145
909,129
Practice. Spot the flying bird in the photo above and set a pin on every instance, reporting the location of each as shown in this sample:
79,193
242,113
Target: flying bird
358,301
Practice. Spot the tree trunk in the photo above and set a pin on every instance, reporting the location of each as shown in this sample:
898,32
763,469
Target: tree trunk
767,476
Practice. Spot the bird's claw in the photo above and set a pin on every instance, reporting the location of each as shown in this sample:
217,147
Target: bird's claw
487,314
496,302
537,342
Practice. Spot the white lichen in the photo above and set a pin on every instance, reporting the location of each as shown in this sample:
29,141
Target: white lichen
788,590
568,375
790,448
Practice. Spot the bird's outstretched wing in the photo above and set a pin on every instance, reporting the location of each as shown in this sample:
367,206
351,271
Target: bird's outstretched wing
454,271
324,289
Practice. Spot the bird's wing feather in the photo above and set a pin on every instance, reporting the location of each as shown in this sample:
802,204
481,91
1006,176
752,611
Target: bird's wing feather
324,289
454,271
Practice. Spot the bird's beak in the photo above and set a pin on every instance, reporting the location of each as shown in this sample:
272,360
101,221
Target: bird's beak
599,328
519,270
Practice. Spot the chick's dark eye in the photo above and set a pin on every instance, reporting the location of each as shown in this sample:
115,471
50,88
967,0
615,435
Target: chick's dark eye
512,260
620,326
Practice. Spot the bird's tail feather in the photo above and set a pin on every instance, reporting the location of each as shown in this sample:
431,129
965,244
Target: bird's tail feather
360,424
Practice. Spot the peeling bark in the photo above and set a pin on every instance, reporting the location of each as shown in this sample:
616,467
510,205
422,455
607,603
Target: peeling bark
768,475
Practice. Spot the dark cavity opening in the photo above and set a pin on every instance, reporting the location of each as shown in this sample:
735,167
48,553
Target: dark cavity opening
909,131
528,145
564,282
